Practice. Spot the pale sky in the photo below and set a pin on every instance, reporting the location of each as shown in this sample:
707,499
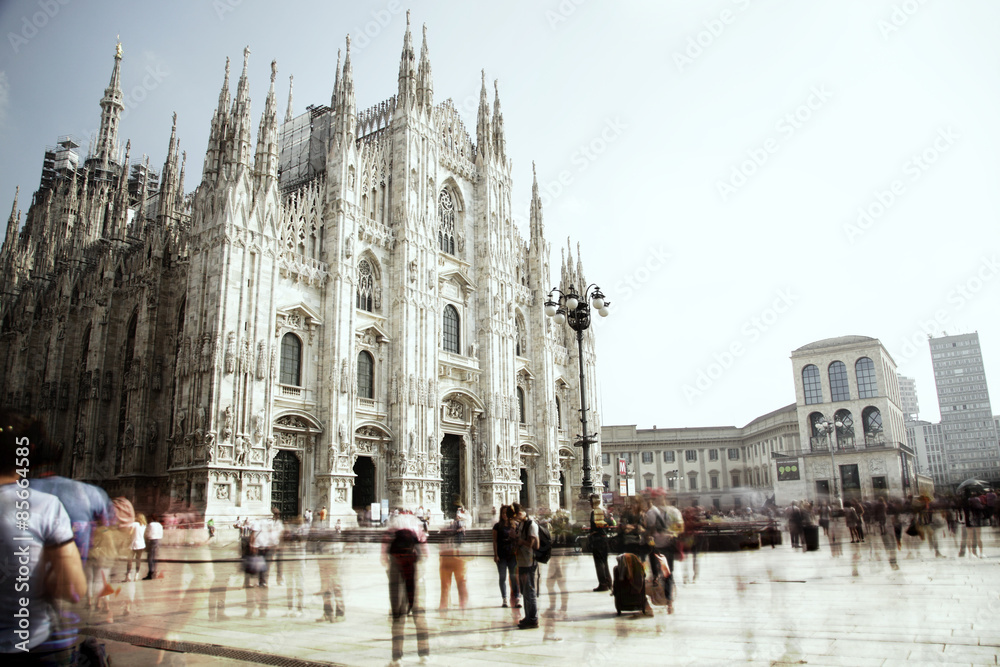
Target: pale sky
710,158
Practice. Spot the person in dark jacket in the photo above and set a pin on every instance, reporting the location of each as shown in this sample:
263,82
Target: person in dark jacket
600,523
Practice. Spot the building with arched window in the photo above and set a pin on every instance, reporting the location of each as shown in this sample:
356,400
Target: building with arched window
328,319
785,454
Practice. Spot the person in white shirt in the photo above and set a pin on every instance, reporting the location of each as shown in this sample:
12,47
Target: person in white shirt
138,545
264,542
154,533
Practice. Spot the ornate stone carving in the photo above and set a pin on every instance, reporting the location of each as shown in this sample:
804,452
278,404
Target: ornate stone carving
454,410
227,423
230,363
876,466
262,359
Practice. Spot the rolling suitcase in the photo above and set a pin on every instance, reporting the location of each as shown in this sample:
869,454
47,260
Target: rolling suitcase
811,534
629,584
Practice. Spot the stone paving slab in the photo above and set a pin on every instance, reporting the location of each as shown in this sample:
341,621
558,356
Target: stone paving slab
773,606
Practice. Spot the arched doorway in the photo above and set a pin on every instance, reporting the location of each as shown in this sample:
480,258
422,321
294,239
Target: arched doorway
364,483
451,473
285,484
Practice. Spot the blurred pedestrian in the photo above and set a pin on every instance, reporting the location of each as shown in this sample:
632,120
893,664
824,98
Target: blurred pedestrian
37,534
137,532
452,565
404,549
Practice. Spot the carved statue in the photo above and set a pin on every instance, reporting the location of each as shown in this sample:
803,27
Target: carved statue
199,417
258,425
227,428
261,360
152,433
231,352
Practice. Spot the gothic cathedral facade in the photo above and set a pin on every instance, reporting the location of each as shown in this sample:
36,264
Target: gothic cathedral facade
343,313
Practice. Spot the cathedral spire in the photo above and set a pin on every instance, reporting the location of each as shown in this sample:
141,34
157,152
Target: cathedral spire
265,162
168,178
112,105
13,222
499,140
288,111
217,134
407,80
240,118
425,86
336,84
345,113
483,131
537,229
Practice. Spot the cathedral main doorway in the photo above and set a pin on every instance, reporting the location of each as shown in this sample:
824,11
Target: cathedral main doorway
285,484
451,473
364,483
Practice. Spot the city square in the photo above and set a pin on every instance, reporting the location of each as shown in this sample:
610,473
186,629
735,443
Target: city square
296,281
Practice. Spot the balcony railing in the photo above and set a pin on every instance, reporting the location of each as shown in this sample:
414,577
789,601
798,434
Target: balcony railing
367,403
870,441
289,391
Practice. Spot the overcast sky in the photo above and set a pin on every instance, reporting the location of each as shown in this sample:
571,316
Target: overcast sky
744,177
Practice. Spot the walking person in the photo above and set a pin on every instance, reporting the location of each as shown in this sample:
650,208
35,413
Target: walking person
527,568
597,540
138,545
504,538
452,565
329,554
295,552
263,542
154,533
404,549
664,525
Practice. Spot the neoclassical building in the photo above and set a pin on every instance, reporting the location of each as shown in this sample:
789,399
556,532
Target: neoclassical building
342,312
849,381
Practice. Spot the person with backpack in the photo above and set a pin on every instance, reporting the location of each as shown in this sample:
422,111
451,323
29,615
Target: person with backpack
504,538
600,522
529,552
404,549
664,524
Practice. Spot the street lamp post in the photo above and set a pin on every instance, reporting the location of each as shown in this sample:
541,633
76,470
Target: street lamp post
828,428
569,307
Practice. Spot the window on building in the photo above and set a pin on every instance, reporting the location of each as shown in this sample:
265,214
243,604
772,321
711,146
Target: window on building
446,222
815,419
366,375
693,482
735,479
668,457
649,482
366,286
671,482
628,458
871,420
845,429
864,369
713,455
521,341
647,457
839,389
451,322
713,481
812,385
291,360
520,406
734,453
559,424
690,455
605,459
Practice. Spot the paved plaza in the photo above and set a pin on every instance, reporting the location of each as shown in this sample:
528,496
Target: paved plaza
772,606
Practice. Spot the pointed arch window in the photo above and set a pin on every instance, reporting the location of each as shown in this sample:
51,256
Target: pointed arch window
839,389
864,369
558,414
291,360
366,286
812,385
366,375
451,339
446,222
520,406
